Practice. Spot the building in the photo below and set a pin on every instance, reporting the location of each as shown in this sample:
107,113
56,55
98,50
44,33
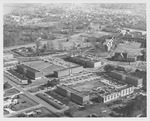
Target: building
131,58
68,71
85,62
124,57
134,81
115,95
116,75
20,78
75,95
29,72
108,44
137,82
79,98
93,63
37,69
7,56
61,73
11,62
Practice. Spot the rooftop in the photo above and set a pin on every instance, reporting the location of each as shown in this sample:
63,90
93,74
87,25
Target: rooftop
37,65
73,91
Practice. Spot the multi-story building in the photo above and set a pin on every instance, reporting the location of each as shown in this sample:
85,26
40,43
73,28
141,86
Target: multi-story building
74,95
85,62
137,82
115,95
68,71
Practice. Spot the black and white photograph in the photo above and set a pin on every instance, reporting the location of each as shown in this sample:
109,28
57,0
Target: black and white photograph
74,60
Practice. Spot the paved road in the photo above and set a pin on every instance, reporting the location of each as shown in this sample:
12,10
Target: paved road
40,101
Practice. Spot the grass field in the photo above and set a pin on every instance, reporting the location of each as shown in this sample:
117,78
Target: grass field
133,48
11,92
7,86
88,86
24,102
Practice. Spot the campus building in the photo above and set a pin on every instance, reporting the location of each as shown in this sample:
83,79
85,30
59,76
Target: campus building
124,57
37,69
85,62
115,95
68,71
74,95
137,82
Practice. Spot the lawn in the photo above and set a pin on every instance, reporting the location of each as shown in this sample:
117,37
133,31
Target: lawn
24,102
11,92
7,86
132,48
88,86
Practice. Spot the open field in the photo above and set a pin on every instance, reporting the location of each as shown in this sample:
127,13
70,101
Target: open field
88,86
6,112
11,92
132,48
24,102
7,86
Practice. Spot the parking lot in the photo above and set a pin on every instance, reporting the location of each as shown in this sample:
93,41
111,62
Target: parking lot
62,99
58,61
83,77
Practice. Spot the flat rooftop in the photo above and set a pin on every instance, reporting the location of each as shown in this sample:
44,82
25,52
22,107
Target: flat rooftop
51,68
13,72
85,59
99,86
37,65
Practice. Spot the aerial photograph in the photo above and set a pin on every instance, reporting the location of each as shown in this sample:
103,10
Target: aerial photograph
74,60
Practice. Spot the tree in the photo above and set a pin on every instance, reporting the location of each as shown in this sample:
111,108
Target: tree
108,68
53,82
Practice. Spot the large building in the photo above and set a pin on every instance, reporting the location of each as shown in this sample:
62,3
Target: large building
124,57
68,71
75,95
85,62
115,95
37,69
137,82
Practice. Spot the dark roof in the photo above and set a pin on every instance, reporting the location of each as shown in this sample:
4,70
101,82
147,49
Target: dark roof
27,67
